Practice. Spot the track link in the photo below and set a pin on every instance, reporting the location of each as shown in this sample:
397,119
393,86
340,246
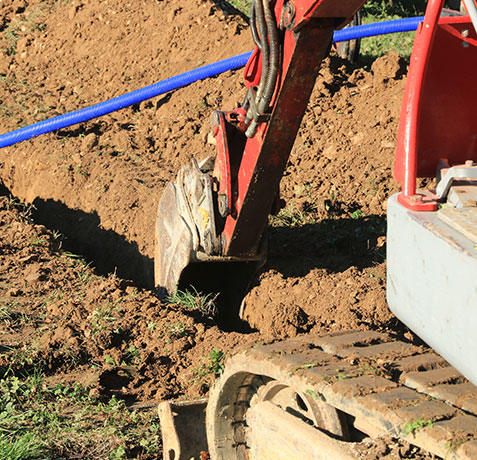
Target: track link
386,387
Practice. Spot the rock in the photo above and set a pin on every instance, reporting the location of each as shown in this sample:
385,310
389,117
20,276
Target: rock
89,141
5,62
122,141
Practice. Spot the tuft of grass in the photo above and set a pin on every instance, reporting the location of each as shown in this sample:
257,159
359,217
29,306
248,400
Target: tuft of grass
104,318
291,217
194,300
241,5
30,23
357,214
213,365
383,10
177,330
417,425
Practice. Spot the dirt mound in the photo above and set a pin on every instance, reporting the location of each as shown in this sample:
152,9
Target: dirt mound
326,269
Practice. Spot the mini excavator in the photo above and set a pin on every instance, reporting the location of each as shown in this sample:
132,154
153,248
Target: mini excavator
314,397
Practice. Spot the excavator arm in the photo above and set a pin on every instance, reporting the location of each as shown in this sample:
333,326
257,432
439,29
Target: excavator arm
217,210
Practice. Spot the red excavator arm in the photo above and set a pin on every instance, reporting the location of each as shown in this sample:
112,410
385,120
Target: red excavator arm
217,213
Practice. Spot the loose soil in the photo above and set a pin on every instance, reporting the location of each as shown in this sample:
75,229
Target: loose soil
92,190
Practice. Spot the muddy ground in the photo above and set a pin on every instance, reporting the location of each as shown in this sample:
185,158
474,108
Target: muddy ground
78,207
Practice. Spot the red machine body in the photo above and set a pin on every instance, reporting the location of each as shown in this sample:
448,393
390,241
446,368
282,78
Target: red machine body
439,109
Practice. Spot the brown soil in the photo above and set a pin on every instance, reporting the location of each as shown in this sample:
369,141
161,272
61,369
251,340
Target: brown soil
98,185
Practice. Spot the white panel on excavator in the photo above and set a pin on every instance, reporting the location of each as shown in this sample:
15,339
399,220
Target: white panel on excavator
432,283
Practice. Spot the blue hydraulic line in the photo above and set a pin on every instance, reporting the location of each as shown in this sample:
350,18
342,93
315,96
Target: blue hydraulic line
179,81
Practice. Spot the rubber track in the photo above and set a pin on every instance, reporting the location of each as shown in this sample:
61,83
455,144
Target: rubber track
390,387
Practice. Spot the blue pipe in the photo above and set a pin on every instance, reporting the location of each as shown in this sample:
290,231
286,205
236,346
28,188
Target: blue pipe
378,28
179,81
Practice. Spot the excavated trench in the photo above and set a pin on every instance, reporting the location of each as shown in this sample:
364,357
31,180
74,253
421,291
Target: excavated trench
107,251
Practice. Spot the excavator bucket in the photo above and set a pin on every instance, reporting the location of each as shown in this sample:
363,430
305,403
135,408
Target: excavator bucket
188,246
173,242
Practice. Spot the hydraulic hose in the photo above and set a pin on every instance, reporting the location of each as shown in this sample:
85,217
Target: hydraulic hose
179,81
269,81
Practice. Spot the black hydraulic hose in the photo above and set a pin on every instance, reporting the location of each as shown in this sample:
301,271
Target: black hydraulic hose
253,26
274,59
262,27
268,81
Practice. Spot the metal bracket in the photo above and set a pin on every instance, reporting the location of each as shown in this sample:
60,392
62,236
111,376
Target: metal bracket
467,171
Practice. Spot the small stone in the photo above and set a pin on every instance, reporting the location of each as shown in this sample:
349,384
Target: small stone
122,141
387,144
5,62
211,139
89,141
22,45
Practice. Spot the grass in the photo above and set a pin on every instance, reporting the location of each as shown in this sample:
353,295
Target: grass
195,301
374,11
242,5
291,217
417,425
373,47
176,330
30,23
213,364
41,421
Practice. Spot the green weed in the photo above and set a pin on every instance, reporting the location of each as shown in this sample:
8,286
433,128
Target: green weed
177,330
6,314
214,364
242,5
357,214
291,217
132,356
313,394
37,241
109,360
103,318
29,23
416,425
194,300
452,446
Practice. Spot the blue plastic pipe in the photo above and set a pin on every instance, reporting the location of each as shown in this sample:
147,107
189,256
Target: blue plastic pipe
378,28
179,81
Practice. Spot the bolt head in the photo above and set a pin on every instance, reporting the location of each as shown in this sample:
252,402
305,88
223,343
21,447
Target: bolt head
223,204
